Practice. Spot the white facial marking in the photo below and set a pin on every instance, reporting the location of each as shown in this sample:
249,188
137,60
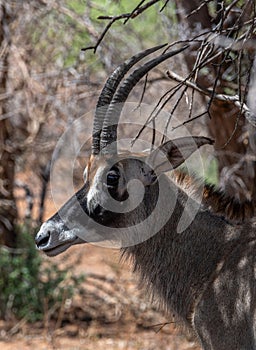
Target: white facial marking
96,194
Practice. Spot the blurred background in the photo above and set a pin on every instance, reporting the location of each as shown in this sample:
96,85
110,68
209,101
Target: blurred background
54,59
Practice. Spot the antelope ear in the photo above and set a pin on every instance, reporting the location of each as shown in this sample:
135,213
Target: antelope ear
173,153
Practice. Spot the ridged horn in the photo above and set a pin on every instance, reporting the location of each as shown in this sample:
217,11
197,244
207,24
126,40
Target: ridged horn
109,130
108,92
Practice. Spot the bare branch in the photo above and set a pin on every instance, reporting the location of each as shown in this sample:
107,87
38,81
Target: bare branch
165,4
127,16
221,97
190,120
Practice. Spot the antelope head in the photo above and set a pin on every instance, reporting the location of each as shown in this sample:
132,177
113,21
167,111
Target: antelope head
110,200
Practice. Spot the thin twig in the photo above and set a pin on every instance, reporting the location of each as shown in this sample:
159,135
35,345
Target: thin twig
160,326
189,120
221,97
112,19
164,5
172,111
134,11
204,3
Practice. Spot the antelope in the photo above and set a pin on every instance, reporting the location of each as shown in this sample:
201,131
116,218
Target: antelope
199,264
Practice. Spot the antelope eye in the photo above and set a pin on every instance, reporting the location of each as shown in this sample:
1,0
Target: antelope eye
113,177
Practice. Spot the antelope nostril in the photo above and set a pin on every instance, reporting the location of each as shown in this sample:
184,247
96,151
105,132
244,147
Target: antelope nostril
43,239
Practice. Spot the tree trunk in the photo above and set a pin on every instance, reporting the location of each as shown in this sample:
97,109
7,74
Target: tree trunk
226,126
8,211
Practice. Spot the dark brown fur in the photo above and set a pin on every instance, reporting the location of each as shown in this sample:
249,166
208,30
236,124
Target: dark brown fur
215,199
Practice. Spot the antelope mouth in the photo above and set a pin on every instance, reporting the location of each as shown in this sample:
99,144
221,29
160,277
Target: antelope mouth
54,239
58,249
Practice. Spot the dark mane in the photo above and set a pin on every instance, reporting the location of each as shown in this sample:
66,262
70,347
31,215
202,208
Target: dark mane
215,199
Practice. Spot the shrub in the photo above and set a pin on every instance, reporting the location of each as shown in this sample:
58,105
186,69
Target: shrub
31,287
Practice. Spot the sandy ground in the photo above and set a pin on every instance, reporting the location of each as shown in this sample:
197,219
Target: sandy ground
128,330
